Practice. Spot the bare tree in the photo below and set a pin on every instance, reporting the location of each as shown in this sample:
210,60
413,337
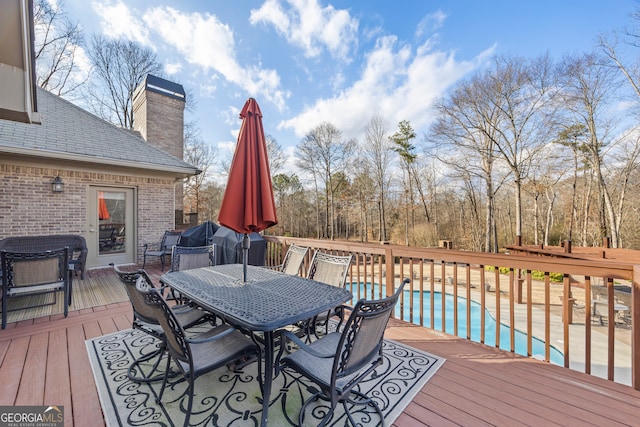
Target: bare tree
589,89
464,136
325,154
363,191
377,153
523,92
627,161
615,48
57,41
119,67
201,155
275,155
286,188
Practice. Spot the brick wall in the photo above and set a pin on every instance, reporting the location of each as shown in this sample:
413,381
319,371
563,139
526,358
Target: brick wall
29,207
160,121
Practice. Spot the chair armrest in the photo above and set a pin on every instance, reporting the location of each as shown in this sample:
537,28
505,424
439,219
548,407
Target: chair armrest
155,246
212,335
344,307
302,346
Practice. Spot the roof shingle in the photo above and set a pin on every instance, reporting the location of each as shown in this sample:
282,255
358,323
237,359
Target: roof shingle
69,132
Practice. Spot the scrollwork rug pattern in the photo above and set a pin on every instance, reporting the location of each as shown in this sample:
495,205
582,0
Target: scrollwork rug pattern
228,398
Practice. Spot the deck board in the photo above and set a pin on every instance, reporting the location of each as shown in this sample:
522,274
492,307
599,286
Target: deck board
57,389
33,376
86,404
44,361
11,370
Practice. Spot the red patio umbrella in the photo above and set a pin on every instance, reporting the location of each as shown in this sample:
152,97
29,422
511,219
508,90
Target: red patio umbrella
248,205
103,211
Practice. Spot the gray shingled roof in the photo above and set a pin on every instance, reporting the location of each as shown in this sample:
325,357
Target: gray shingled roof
71,133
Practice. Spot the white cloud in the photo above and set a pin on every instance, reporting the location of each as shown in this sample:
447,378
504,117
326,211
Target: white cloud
396,82
430,23
206,42
309,26
173,67
117,20
227,147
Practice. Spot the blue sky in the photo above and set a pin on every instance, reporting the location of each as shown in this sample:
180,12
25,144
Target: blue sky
309,61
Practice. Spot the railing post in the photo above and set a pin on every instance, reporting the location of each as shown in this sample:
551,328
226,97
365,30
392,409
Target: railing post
390,266
635,328
519,278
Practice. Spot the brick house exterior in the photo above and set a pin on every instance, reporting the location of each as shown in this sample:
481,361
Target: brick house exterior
88,153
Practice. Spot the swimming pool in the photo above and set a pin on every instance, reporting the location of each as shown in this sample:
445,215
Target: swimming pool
490,322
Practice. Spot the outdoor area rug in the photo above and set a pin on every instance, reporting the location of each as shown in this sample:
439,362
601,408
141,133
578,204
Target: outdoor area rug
227,398
89,292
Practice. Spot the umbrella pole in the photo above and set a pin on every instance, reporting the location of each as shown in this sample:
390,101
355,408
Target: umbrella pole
245,255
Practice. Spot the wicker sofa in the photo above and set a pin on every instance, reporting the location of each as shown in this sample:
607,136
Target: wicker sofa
77,246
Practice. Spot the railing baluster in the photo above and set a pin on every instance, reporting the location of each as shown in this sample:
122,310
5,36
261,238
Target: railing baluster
468,295
566,294
421,299
496,274
611,330
529,314
547,317
587,322
512,309
455,298
483,304
443,278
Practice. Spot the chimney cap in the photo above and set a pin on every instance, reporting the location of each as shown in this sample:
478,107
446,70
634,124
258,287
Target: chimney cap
164,87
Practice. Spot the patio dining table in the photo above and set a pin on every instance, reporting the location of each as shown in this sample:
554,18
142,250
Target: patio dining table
267,302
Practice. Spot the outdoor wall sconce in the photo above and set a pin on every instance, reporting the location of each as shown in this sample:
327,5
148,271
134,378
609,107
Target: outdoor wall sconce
57,185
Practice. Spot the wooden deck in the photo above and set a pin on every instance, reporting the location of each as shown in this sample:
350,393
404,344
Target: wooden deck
44,361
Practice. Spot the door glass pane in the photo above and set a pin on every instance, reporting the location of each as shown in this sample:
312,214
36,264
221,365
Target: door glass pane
111,216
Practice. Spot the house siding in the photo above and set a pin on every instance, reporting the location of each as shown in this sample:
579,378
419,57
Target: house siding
29,207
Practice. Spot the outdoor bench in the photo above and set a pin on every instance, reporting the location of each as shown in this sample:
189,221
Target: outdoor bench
77,247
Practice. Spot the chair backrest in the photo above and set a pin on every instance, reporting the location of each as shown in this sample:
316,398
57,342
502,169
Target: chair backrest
294,259
170,239
363,333
175,336
188,257
77,245
140,278
31,272
329,269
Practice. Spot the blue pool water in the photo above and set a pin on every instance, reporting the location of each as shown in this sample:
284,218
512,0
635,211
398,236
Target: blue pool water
490,322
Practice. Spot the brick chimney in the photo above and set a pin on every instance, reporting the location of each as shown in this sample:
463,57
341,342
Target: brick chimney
158,114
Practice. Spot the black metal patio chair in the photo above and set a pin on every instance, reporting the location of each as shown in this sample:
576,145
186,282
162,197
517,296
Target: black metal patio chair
144,319
163,249
332,270
28,274
194,357
188,257
293,260
338,361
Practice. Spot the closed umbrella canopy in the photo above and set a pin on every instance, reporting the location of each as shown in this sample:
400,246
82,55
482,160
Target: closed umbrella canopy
248,204
103,211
